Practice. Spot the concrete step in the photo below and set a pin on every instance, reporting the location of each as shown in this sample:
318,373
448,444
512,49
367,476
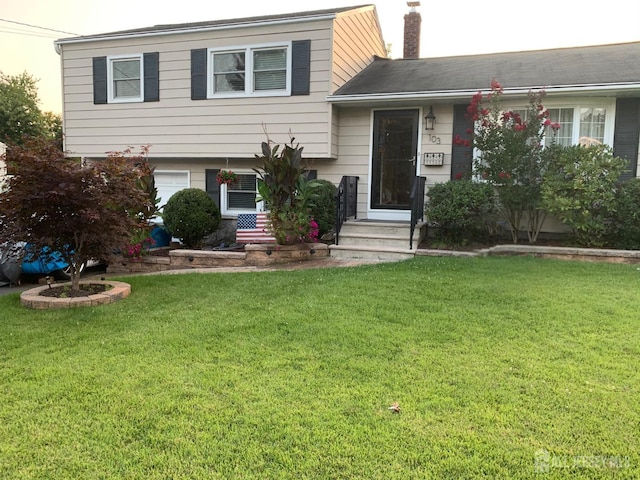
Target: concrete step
370,235
377,240
370,254
377,227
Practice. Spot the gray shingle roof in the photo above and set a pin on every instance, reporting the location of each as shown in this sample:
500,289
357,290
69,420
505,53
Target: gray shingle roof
159,29
563,67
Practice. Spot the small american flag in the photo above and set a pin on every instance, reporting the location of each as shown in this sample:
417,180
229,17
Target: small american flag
252,228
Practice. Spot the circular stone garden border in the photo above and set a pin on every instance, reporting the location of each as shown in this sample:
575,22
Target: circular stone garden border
32,299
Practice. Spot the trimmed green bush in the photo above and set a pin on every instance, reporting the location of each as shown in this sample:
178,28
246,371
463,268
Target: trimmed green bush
626,220
461,210
323,209
580,189
190,215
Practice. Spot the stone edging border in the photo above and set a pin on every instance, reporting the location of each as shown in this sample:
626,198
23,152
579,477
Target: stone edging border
562,253
32,299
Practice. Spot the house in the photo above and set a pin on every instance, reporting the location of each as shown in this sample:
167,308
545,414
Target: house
205,95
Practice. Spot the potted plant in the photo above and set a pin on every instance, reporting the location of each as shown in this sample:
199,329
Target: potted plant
227,177
288,195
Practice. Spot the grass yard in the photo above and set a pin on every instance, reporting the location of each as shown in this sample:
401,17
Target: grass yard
503,368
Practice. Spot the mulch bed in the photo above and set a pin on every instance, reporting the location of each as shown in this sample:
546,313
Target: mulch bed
64,291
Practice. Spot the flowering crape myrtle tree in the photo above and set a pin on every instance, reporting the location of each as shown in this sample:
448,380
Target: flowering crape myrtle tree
59,204
510,157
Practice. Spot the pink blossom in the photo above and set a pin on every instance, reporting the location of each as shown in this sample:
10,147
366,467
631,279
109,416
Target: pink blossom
458,140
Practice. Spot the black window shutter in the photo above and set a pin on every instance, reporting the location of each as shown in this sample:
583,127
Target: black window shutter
461,156
151,77
301,67
199,74
211,185
627,134
99,80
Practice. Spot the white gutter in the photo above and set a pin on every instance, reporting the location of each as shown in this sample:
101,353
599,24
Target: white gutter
455,94
185,30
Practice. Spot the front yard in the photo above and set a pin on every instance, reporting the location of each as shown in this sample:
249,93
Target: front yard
502,367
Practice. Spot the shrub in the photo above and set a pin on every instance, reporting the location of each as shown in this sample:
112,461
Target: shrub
462,210
579,187
190,215
323,209
626,219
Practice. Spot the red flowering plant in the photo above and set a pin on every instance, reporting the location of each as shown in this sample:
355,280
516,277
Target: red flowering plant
139,245
227,177
510,156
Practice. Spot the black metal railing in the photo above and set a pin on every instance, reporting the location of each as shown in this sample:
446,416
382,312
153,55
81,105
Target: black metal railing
346,201
417,205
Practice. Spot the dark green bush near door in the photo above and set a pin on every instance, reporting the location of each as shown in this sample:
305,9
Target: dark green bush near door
462,210
625,225
323,209
190,215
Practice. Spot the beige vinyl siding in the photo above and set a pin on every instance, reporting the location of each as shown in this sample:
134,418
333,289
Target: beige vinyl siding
443,133
356,39
335,123
179,126
355,130
354,134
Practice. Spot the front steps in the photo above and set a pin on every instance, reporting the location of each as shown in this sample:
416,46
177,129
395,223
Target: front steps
377,241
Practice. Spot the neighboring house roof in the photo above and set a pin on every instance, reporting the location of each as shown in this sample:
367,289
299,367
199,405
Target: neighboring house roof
578,69
216,24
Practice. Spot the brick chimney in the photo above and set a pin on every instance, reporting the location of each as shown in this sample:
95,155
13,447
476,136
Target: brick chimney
412,21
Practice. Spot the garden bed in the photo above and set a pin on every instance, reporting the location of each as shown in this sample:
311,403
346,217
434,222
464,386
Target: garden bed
100,293
251,255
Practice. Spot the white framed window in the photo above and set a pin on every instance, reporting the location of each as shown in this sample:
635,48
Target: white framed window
584,121
229,72
269,69
169,182
260,70
124,78
240,197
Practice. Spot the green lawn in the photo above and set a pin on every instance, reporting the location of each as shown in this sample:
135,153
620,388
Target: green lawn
495,362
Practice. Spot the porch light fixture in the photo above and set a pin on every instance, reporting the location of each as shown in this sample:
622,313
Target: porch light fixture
430,120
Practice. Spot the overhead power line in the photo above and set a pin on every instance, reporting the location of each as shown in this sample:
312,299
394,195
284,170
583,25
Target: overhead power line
27,33
36,26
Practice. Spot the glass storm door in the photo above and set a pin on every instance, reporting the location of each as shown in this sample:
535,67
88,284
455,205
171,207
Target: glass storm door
395,147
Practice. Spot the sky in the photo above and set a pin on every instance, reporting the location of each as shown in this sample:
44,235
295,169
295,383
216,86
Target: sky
448,28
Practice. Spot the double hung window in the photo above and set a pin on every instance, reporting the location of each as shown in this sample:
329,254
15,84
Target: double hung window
250,71
124,75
